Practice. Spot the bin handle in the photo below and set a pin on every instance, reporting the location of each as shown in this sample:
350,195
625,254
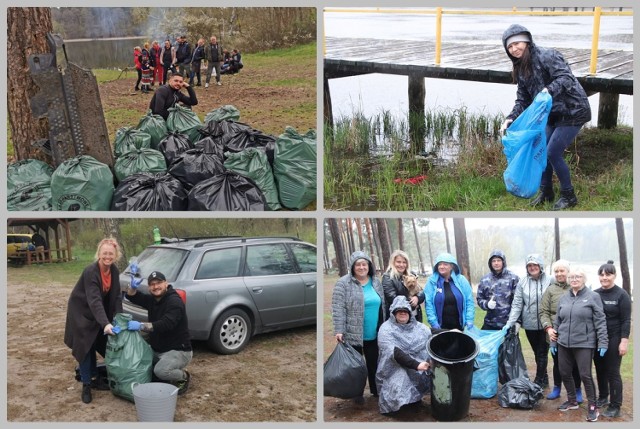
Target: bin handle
134,384
175,391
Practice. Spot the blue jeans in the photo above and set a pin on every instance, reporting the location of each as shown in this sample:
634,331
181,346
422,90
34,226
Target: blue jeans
558,139
88,367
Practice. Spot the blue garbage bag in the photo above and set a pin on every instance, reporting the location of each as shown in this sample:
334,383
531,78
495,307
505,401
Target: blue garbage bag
525,146
484,383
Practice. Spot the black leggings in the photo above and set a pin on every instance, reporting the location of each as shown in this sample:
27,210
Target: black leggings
580,357
538,341
608,373
557,378
139,78
370,352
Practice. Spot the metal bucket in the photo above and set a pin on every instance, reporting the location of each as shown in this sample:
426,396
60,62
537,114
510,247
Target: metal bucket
155,402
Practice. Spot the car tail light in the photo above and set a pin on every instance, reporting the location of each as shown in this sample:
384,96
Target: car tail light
182,294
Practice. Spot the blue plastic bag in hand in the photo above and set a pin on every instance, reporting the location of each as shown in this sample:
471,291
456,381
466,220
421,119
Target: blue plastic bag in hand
525,146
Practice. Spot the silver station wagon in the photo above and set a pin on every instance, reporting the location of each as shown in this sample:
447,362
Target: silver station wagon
234,287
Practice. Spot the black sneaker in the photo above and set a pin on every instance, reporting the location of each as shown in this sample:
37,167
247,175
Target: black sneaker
592,413
601,402
86,393
611,411
569,405
184,384
100,383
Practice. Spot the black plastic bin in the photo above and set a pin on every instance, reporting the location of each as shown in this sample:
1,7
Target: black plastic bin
453,354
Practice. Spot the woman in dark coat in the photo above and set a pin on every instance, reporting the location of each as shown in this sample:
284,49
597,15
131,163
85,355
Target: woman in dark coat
393,284
94,301
536,70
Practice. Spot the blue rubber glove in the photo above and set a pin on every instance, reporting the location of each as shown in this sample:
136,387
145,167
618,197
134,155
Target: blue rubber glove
469,325
602,351
554,350
134,325
116,329
134,267
435,326
135,282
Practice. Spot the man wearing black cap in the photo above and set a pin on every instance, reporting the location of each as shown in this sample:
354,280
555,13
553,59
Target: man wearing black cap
167,327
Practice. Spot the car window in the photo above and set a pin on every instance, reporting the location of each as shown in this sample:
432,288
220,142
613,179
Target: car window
305,256
164,259
216,264
268,259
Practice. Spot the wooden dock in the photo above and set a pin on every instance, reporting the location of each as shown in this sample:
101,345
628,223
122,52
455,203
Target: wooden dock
474,62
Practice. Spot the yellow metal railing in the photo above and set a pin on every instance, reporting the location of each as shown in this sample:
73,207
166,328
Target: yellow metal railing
597,12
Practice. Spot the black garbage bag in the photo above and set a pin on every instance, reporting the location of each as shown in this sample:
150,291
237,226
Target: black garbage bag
227,191
294,168
244,139
519,393
345,373
173,145
155,126
210,146
253,163
195,165
128,139
138,161
184,120
30,197
226,112
222,130
511,360
150,192
81,183
27,171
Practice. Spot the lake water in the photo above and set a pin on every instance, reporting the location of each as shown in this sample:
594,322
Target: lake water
374,93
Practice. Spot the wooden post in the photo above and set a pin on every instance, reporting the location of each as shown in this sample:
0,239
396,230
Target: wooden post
608,110
417,123
67,234
328,112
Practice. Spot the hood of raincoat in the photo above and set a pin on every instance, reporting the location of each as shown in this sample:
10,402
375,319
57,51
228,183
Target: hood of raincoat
359,254
534,258
500,254
446,257
400,302
512,31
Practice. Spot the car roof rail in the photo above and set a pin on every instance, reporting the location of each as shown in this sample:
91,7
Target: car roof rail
242,239
217,239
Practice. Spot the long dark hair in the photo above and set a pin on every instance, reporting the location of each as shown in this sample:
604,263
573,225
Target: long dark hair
522,66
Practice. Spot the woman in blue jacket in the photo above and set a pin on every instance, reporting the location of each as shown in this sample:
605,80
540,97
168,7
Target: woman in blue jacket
448,296
536,70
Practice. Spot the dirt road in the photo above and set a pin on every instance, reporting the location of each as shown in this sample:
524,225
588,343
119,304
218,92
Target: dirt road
273,379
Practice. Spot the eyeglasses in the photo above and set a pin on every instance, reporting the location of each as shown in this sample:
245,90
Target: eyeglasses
575,277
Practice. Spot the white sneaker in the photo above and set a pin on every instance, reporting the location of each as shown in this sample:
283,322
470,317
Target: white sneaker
206,85
218,83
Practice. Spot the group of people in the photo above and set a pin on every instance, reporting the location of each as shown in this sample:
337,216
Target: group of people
154,62
383,320
93,304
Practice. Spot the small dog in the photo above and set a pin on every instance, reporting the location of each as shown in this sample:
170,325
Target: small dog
411,283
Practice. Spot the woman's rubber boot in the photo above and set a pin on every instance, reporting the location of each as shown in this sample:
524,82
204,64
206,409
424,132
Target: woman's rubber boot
545,195
567,199
555,393
579,396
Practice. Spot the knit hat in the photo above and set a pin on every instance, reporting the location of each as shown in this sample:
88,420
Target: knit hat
522,37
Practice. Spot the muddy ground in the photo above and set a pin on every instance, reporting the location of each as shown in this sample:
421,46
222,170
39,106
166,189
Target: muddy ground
480,410
273,379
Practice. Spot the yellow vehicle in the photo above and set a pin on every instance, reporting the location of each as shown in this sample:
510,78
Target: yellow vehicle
17,244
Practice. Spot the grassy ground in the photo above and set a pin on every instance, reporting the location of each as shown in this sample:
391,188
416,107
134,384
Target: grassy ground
600,162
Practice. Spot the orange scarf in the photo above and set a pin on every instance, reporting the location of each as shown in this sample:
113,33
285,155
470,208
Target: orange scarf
106,280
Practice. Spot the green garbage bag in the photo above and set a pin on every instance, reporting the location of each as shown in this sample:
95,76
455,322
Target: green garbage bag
139,161
27,171
185,121
81,183
128,139
253,163
129,359
155,126
30,197
294,168
226,112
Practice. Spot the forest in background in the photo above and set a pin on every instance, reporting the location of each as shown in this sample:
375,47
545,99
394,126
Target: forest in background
249,29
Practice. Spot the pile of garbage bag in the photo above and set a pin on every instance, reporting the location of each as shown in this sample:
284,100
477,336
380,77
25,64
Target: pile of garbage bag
177,164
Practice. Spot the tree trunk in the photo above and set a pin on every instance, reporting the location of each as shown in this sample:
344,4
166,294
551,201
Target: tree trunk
430,251
446,234
400,235
27,29
349,226
360,238
367,223
327,261
462,247
376,236
624,260
415,234
556,227
385,242
341,258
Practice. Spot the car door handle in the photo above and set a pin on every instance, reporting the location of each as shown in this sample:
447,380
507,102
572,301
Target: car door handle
310,284
257,289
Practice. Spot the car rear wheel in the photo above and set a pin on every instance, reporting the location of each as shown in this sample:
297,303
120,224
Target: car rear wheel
231,332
